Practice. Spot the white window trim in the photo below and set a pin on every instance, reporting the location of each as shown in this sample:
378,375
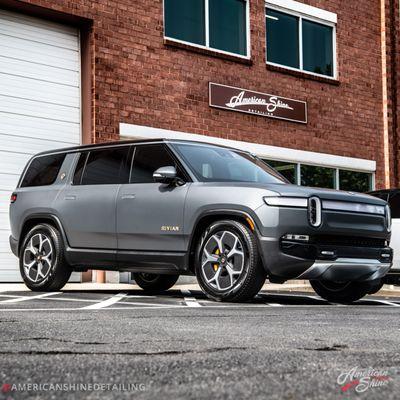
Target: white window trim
207,30
313,14
131,131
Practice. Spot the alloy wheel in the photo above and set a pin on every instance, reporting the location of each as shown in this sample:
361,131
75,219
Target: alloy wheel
38,258
222,260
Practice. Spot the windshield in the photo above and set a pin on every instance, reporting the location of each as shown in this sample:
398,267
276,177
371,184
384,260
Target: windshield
218,164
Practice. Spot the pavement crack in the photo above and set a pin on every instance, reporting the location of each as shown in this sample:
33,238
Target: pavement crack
125,353
335,347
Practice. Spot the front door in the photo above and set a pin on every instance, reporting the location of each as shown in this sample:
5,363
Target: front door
87,205
149,214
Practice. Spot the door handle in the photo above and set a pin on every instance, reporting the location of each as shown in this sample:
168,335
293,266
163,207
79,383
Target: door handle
70,198
128,196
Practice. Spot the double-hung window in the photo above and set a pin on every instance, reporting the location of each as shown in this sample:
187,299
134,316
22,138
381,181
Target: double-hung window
220,25
300,41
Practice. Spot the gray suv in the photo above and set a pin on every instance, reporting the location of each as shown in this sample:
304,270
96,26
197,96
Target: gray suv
165,208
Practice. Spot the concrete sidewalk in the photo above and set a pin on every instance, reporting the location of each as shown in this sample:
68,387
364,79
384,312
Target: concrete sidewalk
296,286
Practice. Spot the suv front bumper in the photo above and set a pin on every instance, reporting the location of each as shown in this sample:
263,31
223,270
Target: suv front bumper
286,260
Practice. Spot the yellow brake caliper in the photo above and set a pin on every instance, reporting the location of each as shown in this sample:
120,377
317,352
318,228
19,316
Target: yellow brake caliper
215,266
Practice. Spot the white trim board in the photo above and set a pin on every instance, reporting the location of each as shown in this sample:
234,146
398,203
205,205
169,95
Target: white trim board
304,9
131,131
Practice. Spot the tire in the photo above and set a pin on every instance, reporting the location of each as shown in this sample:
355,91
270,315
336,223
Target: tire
155,283
227,262
42,262
343,292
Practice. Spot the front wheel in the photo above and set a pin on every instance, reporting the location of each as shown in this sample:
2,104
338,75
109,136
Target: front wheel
228,265
343,292
42,261
154,283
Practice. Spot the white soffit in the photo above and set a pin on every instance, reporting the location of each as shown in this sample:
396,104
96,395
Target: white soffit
131,131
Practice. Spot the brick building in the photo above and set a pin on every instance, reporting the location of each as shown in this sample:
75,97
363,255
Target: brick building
310,86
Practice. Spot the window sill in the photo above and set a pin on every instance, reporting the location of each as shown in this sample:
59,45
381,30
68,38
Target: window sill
208,52
304,75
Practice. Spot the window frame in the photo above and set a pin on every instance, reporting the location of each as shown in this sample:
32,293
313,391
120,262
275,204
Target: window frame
86,153
337,169
170,152
302,16
207,34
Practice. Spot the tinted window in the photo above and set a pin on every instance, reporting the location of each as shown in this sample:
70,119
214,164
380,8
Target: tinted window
147,159
185,20
287,169
318,176
228,25
43,170
216,164
109,166
282,39
394,203
317,48
354,181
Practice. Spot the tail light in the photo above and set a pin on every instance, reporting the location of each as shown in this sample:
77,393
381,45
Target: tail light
314,211
13,198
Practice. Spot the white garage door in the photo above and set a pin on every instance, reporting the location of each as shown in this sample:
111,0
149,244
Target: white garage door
39,103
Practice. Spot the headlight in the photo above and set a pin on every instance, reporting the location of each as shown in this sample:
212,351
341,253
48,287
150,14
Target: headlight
388,219
286,201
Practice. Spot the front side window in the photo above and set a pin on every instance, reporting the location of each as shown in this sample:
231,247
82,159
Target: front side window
216,164
296,42
103,167
147,159
43,170
215,24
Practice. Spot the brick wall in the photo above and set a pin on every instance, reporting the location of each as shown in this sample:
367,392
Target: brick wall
139,79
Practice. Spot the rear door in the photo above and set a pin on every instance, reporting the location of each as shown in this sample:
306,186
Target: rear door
87,205
149,214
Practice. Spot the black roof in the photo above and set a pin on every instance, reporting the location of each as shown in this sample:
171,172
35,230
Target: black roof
122,142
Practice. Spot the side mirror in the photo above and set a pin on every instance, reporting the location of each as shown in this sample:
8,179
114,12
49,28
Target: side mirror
165,175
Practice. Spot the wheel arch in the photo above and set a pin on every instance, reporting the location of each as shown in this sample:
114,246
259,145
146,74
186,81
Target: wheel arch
207,218
35,219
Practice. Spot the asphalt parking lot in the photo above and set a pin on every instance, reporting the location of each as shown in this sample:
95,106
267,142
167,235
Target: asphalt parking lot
123,344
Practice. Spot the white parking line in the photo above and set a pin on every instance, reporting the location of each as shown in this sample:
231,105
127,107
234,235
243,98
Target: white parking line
106,303
389,303
274,304
27,298
190,301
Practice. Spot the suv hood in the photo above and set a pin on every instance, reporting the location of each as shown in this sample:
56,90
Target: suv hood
331,194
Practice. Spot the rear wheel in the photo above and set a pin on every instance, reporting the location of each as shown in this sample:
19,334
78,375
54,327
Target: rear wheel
228,265
154,283
343,292
42,262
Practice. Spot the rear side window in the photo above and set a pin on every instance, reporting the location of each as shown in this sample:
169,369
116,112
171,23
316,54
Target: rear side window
147,159
103,167
43,170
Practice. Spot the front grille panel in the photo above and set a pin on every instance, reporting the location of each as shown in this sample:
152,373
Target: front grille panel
333,240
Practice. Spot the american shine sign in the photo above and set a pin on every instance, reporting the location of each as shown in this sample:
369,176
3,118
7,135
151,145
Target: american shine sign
263,104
